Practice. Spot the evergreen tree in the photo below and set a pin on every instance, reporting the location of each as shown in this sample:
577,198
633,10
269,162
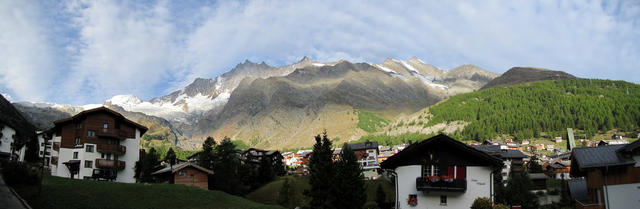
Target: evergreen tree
519,190
482,203
170,158
286,195
147,164
265,170
226,168
206,157
321,173
381,197
533,166
500,196
349,187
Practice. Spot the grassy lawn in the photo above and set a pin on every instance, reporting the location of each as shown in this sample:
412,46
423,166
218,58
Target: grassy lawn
269,193
68,193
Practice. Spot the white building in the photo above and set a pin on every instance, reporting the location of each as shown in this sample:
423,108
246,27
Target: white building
97,143
15,132
44,144
441,172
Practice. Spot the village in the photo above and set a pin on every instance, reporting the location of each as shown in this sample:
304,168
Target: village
101,144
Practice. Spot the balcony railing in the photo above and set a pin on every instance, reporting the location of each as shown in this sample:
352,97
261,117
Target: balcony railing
112,148
110,164
455,185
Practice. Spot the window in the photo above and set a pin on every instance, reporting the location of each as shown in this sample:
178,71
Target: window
78,125
430,170
40,152
88,164
91,133
108,156
75,155
77,141
182,173
102,155
443,199
105,126
89,148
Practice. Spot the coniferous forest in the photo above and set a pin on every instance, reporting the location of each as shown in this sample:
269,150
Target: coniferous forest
526,110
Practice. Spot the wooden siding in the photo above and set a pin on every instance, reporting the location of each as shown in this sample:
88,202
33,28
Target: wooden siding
95,122
616,175
199,178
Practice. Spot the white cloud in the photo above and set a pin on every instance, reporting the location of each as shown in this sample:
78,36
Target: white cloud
151,48
26,58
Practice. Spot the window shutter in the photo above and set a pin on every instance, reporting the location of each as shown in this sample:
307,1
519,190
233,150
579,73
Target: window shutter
461,172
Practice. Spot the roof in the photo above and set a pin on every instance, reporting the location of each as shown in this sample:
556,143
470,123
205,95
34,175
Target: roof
180,166
504,154
363,145
142,128
10,116
535,176
631,147
413,150
592,157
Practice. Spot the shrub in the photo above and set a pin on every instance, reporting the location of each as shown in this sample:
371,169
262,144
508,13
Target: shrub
16,173
482,203
370,205
500,206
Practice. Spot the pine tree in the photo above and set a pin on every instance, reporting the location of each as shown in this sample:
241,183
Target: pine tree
381,197
170,157
519,190
206,157
349,186
286,195
226,169
533,166
321,173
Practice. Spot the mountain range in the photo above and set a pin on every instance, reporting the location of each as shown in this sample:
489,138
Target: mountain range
283,107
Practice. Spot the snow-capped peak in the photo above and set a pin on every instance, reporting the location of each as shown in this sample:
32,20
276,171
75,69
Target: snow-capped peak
125,101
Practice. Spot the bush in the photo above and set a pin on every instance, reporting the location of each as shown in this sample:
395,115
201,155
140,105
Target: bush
500,206
482,203
370,205
16,173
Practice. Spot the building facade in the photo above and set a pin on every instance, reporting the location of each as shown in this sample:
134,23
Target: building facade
612,175
98,143
442,172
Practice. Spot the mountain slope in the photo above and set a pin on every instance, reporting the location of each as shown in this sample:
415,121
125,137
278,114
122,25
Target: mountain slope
527,110
287,111
518,75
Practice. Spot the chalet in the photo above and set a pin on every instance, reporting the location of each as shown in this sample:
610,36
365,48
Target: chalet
44,144
539,181
612,142
15,133
512,159
186,173
612,175
98,143
254,155
558,169
441,171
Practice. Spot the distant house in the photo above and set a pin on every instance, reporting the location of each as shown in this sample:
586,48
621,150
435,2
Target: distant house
612,142
15,133
539,181
558,139
96,144
525,142
44,143
558,169
254,155
186,173
612,175
367,153
512,159
441,172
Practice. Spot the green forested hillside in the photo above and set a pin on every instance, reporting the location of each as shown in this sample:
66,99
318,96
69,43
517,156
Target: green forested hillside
526,110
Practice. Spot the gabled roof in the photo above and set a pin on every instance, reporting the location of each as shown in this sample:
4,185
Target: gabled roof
10,116
592,157
180,166
415,150
504,154
363,145
142,128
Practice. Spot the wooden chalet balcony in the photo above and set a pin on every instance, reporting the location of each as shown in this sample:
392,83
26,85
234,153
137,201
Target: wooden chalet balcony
112,148
110,164
426,185
56,146
54,160
110,132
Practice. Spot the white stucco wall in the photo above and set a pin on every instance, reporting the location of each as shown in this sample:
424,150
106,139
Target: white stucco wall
479,184
7,139
623,196
130,157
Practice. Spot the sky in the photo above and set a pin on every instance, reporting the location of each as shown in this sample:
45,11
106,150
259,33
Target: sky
84,52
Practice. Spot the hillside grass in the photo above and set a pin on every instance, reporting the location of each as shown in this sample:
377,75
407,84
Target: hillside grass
368,121
86,194
269,193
